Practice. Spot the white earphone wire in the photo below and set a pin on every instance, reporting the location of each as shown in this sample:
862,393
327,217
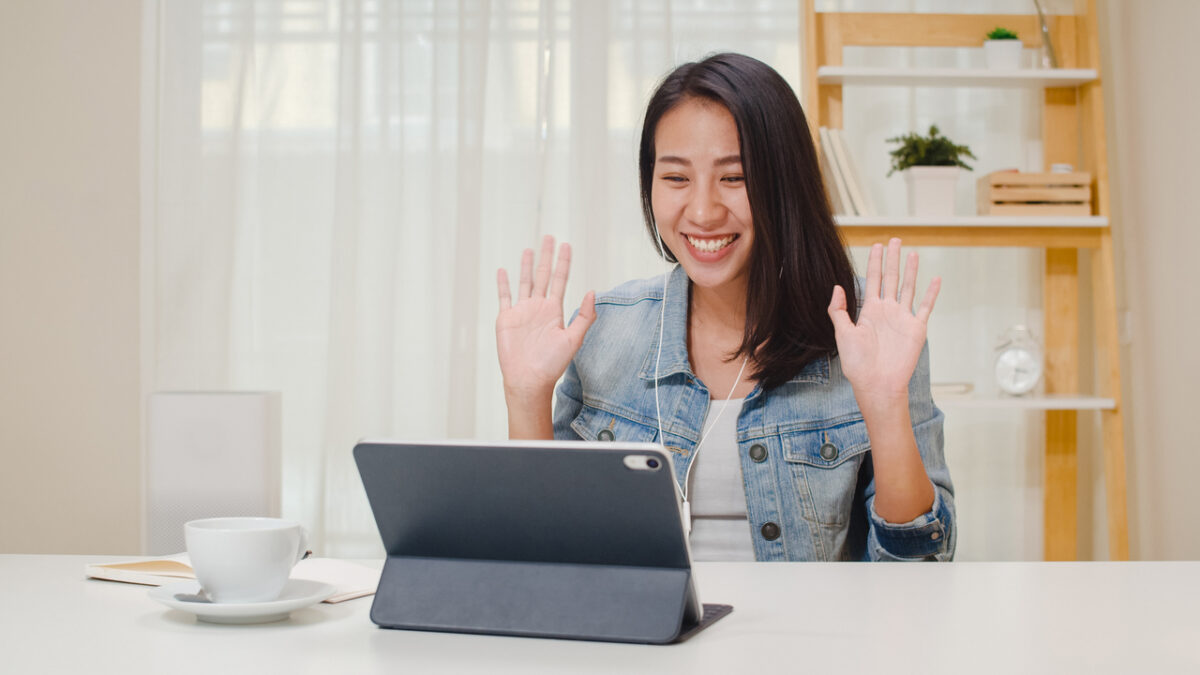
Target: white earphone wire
662,322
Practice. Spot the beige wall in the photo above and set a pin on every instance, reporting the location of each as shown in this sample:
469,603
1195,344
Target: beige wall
69,243
1154,144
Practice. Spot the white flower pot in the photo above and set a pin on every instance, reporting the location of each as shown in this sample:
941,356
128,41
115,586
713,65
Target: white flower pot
931,190
1003,54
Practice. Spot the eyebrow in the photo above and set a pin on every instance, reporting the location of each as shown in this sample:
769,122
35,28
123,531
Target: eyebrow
723,161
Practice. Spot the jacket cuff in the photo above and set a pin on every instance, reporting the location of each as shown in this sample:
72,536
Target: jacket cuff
926,537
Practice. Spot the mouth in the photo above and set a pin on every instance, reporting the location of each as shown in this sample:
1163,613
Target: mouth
710,244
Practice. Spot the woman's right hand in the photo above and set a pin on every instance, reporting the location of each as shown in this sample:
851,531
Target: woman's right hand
533,344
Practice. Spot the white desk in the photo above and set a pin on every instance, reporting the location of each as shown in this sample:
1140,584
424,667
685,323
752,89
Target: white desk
804,617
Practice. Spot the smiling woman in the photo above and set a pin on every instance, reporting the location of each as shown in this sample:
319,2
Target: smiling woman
834,450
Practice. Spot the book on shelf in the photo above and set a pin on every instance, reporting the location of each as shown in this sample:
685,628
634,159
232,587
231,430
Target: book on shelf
351,579
838,196
863,205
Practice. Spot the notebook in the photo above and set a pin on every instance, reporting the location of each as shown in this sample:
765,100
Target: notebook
571,540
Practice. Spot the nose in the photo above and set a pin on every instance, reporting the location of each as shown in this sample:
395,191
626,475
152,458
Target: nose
705,208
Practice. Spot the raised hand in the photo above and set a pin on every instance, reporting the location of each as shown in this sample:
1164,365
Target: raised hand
880,350
533,344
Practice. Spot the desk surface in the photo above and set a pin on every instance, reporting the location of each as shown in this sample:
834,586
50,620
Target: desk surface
801,617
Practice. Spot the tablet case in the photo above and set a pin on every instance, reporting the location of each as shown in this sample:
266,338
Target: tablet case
540,539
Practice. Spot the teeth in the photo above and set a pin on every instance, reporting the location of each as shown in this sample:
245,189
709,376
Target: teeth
710,245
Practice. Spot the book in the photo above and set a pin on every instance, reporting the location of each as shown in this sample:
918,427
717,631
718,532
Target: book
834,182
858,193
352,580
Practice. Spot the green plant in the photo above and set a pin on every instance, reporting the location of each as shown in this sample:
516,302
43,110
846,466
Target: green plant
932,150
999,33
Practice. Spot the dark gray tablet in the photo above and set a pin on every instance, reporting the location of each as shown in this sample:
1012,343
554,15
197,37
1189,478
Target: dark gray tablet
552,539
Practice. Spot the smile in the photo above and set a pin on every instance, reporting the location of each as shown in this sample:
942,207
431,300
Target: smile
711,245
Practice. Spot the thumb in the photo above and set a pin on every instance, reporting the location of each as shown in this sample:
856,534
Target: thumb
837,310
583,320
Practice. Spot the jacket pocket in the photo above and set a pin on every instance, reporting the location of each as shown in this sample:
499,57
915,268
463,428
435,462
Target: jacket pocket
824,462
595,424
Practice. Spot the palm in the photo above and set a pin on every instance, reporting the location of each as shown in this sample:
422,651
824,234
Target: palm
533,344
879,352
530,337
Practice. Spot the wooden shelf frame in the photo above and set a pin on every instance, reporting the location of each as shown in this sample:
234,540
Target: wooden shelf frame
1072,133
955,77
1040,402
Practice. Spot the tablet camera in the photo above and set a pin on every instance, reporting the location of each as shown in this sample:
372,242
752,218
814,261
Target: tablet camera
642,462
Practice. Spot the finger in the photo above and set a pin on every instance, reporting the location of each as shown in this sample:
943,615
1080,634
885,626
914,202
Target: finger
526,286
503,288
891,270
583,320
874,265
541,277
931,294
837,311
908,287
558,282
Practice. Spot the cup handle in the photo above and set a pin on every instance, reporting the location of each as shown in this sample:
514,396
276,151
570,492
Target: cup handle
302,552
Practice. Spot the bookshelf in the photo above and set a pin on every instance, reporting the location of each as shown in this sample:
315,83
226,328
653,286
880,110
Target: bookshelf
1073,133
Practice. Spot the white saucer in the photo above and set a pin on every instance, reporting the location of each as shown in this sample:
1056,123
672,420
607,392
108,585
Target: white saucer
296,594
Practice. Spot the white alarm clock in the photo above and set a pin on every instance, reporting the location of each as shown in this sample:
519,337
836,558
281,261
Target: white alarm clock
1018,361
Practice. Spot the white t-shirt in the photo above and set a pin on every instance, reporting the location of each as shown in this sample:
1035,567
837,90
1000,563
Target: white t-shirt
720,529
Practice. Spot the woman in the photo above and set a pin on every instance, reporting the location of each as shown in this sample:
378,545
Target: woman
802,428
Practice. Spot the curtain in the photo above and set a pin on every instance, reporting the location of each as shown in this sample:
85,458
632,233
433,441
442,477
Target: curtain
337,181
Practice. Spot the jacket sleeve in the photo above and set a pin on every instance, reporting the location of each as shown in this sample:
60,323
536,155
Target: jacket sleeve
931,535
568,401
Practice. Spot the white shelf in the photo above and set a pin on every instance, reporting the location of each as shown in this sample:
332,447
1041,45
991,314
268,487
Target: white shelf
956,77
972,221
1029,402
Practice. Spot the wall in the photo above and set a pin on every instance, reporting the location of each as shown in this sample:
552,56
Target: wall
69,261
1153,144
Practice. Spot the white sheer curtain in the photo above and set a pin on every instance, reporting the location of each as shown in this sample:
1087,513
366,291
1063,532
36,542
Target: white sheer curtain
337,182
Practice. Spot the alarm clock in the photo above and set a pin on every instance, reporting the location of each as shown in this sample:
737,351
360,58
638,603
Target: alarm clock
1018,361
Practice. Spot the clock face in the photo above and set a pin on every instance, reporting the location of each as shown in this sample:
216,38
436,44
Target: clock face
1017,371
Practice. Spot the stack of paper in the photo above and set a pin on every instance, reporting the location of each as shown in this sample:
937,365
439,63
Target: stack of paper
351,579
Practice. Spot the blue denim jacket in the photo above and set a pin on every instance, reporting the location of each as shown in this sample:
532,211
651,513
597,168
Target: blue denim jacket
805,455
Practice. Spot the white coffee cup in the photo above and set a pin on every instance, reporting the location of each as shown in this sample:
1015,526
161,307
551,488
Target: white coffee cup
240,560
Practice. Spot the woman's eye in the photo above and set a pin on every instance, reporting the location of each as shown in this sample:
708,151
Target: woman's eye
675,179
734,179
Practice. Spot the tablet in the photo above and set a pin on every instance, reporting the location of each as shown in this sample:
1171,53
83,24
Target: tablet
558,539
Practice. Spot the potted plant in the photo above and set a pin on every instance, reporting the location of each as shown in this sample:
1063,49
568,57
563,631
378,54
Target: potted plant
930,165
1002,48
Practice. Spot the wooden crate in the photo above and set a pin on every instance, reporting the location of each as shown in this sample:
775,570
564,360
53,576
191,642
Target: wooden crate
1013,193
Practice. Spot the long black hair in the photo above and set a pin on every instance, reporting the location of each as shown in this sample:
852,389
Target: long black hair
798,253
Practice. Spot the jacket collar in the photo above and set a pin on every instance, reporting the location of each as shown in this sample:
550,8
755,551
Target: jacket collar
674,360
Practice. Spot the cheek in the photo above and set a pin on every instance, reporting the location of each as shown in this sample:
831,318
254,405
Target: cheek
664,206
741,207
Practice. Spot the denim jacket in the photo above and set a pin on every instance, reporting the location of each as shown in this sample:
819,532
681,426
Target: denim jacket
805,455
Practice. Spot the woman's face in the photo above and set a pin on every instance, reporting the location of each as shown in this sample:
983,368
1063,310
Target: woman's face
699,194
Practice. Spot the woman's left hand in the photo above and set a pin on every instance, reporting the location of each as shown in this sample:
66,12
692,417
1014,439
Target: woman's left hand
880,350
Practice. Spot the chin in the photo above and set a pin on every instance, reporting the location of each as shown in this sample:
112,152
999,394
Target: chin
712,279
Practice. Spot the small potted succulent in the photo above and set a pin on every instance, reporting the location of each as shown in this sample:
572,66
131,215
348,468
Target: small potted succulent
930,165
1002,49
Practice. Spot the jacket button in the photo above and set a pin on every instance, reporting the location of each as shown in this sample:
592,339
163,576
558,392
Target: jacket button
829,452
770,531
758,453
605,435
